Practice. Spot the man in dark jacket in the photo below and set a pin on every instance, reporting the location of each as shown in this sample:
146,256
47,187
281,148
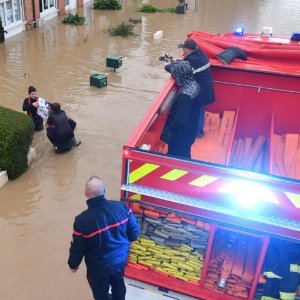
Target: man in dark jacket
180,129
202,74
102,234
30,105
60,129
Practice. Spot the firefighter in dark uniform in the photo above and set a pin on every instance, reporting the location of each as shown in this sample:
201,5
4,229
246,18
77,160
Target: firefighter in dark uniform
102,235
60,129
281,270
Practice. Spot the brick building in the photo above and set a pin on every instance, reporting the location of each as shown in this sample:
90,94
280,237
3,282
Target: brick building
20,15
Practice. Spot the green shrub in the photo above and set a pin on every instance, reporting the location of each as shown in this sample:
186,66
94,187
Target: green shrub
16,135
124,29
74,19
107,4
148,8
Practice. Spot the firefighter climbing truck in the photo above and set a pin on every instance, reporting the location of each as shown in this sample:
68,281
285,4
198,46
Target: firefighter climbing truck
226,223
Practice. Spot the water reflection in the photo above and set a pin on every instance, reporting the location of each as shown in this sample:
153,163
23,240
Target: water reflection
13,207
50,36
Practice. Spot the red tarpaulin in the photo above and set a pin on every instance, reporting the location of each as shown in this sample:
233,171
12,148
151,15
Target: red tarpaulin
270,54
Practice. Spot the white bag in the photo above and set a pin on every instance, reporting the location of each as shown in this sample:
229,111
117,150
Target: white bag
43,108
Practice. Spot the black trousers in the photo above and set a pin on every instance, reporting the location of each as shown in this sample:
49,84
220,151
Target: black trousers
38,123
100,283
62,144
180,150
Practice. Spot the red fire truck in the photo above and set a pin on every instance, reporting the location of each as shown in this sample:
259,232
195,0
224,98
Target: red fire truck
209,225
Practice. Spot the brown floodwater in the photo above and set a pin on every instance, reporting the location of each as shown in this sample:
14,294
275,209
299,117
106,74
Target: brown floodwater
37,210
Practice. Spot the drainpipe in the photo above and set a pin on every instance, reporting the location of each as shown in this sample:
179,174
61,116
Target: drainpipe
34,17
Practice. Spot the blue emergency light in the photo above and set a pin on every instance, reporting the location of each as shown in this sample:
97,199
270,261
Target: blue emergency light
239,31
295,37
248,195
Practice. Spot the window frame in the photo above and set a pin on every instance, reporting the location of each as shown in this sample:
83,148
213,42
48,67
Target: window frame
4,17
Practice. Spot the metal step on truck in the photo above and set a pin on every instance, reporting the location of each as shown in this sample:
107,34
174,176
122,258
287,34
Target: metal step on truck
226,223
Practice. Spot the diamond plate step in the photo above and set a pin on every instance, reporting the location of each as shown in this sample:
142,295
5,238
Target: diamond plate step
206,205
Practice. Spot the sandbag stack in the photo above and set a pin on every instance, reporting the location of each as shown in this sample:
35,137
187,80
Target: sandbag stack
169,244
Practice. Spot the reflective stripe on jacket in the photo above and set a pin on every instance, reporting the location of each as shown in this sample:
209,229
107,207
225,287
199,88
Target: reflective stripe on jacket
102,234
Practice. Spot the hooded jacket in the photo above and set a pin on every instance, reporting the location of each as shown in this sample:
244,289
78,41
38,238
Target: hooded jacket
181,124
198,60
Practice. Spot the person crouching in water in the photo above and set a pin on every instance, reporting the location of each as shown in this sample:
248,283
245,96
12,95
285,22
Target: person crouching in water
180,128
60,129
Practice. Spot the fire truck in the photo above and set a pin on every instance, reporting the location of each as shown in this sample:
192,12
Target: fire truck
217,225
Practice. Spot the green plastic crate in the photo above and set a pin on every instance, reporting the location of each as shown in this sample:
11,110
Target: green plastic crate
99,80
113,61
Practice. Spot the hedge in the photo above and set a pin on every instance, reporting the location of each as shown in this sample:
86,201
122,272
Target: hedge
16,135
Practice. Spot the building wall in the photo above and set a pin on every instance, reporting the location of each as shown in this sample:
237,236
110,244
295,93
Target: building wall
31,15
61,7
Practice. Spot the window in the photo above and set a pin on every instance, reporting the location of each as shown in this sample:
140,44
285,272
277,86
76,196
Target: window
17,10
10,12
46,4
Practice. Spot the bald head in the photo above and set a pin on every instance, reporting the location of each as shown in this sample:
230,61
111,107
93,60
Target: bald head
94,187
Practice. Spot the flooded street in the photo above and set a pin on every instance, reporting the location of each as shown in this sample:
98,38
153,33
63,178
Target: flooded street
37,210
